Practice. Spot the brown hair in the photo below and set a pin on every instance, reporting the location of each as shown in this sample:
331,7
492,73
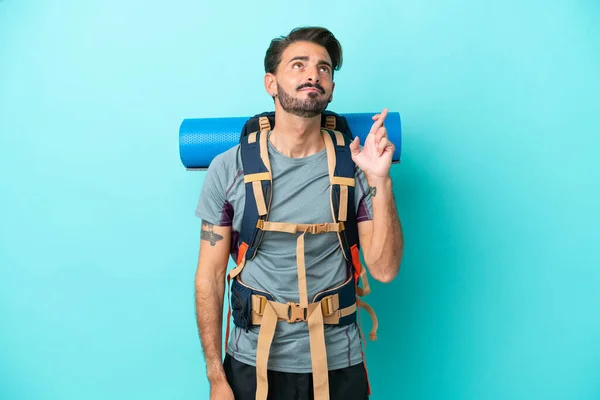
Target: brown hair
317,35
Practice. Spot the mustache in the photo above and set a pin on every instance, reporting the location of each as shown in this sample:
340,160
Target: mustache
310,85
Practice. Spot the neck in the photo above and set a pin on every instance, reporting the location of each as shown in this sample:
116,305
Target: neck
296,137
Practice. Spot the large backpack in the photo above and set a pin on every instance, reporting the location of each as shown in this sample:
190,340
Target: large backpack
338,306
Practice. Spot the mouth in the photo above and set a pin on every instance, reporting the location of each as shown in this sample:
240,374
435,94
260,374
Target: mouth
311,90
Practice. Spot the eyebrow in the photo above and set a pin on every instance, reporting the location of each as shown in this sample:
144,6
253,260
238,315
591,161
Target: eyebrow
305,58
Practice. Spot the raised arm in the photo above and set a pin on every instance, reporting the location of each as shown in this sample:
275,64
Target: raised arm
381,239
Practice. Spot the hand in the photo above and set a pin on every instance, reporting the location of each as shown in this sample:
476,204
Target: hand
221,391
375,158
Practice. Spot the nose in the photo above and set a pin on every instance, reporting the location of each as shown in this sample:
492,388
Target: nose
313,74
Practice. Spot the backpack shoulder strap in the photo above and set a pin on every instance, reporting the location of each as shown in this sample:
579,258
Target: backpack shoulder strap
258,185
342,181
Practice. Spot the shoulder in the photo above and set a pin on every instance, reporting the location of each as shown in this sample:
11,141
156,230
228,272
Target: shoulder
226,163
224,168
226,159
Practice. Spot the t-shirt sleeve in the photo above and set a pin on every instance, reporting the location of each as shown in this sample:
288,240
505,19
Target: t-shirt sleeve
362,197
213,206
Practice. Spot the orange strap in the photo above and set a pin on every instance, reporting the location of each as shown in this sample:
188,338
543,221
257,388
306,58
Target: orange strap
241,261
360,272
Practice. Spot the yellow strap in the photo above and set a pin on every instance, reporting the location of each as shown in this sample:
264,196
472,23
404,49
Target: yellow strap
369,309
265,339
339,138
318,354
252,137
338,180
290,311
334,319
365,289
343,214
267,313
261,176
264,149
259,198
256,179
331,160
294,228
279,311
236,271
302,290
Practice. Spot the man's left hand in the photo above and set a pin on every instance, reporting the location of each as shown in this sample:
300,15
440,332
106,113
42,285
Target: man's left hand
375,158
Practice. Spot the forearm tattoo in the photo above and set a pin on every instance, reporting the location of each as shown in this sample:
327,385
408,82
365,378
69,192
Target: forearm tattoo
373,191
208,234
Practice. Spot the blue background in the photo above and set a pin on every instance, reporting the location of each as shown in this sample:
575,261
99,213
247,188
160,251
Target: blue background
498,191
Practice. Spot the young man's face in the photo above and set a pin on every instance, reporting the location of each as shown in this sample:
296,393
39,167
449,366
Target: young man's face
303,80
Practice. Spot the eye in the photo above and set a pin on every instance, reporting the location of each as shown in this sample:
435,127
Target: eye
324,68
297,65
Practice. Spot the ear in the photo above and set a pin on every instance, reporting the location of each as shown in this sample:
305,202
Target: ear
271,84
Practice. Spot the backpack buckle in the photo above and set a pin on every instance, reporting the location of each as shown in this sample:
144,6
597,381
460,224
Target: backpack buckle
329,305
296,313
316,229
258,304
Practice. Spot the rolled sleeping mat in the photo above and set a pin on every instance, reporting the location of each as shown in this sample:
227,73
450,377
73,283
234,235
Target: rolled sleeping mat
202,139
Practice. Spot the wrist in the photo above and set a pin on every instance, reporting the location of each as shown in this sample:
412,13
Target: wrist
216,378
379,181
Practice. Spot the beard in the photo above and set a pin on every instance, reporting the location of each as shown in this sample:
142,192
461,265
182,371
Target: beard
309,108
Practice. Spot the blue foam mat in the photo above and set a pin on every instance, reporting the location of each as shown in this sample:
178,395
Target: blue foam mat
202,139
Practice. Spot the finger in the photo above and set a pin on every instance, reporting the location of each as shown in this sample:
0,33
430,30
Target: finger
355,146
381,133
384,114
379,121
381,146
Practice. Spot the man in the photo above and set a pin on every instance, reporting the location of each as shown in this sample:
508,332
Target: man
299,77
